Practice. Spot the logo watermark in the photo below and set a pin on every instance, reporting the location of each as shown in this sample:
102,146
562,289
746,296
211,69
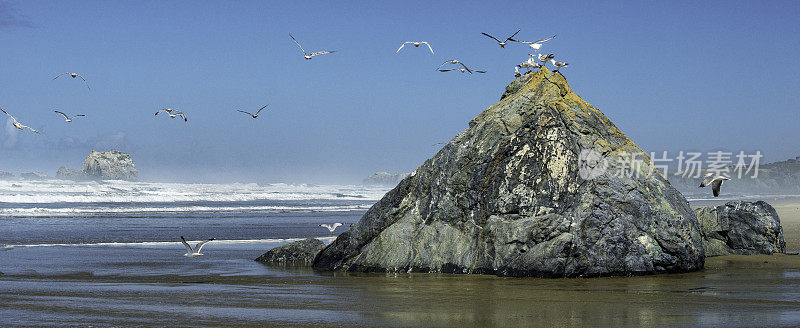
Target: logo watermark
593,164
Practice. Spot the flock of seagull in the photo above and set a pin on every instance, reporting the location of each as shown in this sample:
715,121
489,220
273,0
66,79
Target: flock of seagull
531,63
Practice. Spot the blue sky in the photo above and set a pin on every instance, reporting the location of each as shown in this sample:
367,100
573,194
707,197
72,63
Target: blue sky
659,70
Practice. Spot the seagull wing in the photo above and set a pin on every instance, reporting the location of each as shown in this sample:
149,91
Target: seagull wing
62,114
187,245
446,70
512,35
60,75
322,53
84,81
248,113
29,128
78,115
337,224
9,115
465,67
429,46
160,110
401,47
200,245
480,71
262,108
490,36
715,186
547,39
706,180
440,66
298,44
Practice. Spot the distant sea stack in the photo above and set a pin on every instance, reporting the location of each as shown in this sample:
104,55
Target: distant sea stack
383,179
109,165
506,197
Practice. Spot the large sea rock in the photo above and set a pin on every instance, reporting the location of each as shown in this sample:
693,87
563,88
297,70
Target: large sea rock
506,197
109,165
740,227
299,252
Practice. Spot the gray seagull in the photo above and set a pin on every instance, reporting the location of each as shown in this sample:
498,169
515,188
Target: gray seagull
17,124
416,45
251,114
172,113
536,45
194,252
69,119
714,180
307,55
74,75
454,61
504,42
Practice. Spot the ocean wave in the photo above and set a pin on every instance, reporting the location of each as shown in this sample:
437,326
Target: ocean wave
167,243
123,209
61,191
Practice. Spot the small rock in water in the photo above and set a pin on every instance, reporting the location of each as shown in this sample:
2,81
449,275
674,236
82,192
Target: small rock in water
302,251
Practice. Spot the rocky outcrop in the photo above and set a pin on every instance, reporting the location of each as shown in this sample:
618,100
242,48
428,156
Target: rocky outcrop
109,165
6,175
516,194
33,176
69,174
302,251
384,179
741,228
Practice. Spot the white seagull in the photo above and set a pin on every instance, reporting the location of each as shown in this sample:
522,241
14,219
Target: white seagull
306,55
558,64
504,42
462,70
17,124
69,119
454,61
172,113
545,58
416,45
516,71
331,227
536,45
251,114
194,252
714,180
74,75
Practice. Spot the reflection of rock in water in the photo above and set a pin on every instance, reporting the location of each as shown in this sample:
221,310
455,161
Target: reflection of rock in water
505,197
741,228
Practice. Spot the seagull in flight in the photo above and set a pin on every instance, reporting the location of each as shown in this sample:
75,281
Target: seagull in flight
307,55
462,70
715,181
536,45
69,119
74,75
558,64
416,45
454,61
331,227
251,114
194,252
504,42
16,124
173,113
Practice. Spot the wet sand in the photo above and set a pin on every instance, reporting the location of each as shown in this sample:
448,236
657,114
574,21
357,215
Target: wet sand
155,286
